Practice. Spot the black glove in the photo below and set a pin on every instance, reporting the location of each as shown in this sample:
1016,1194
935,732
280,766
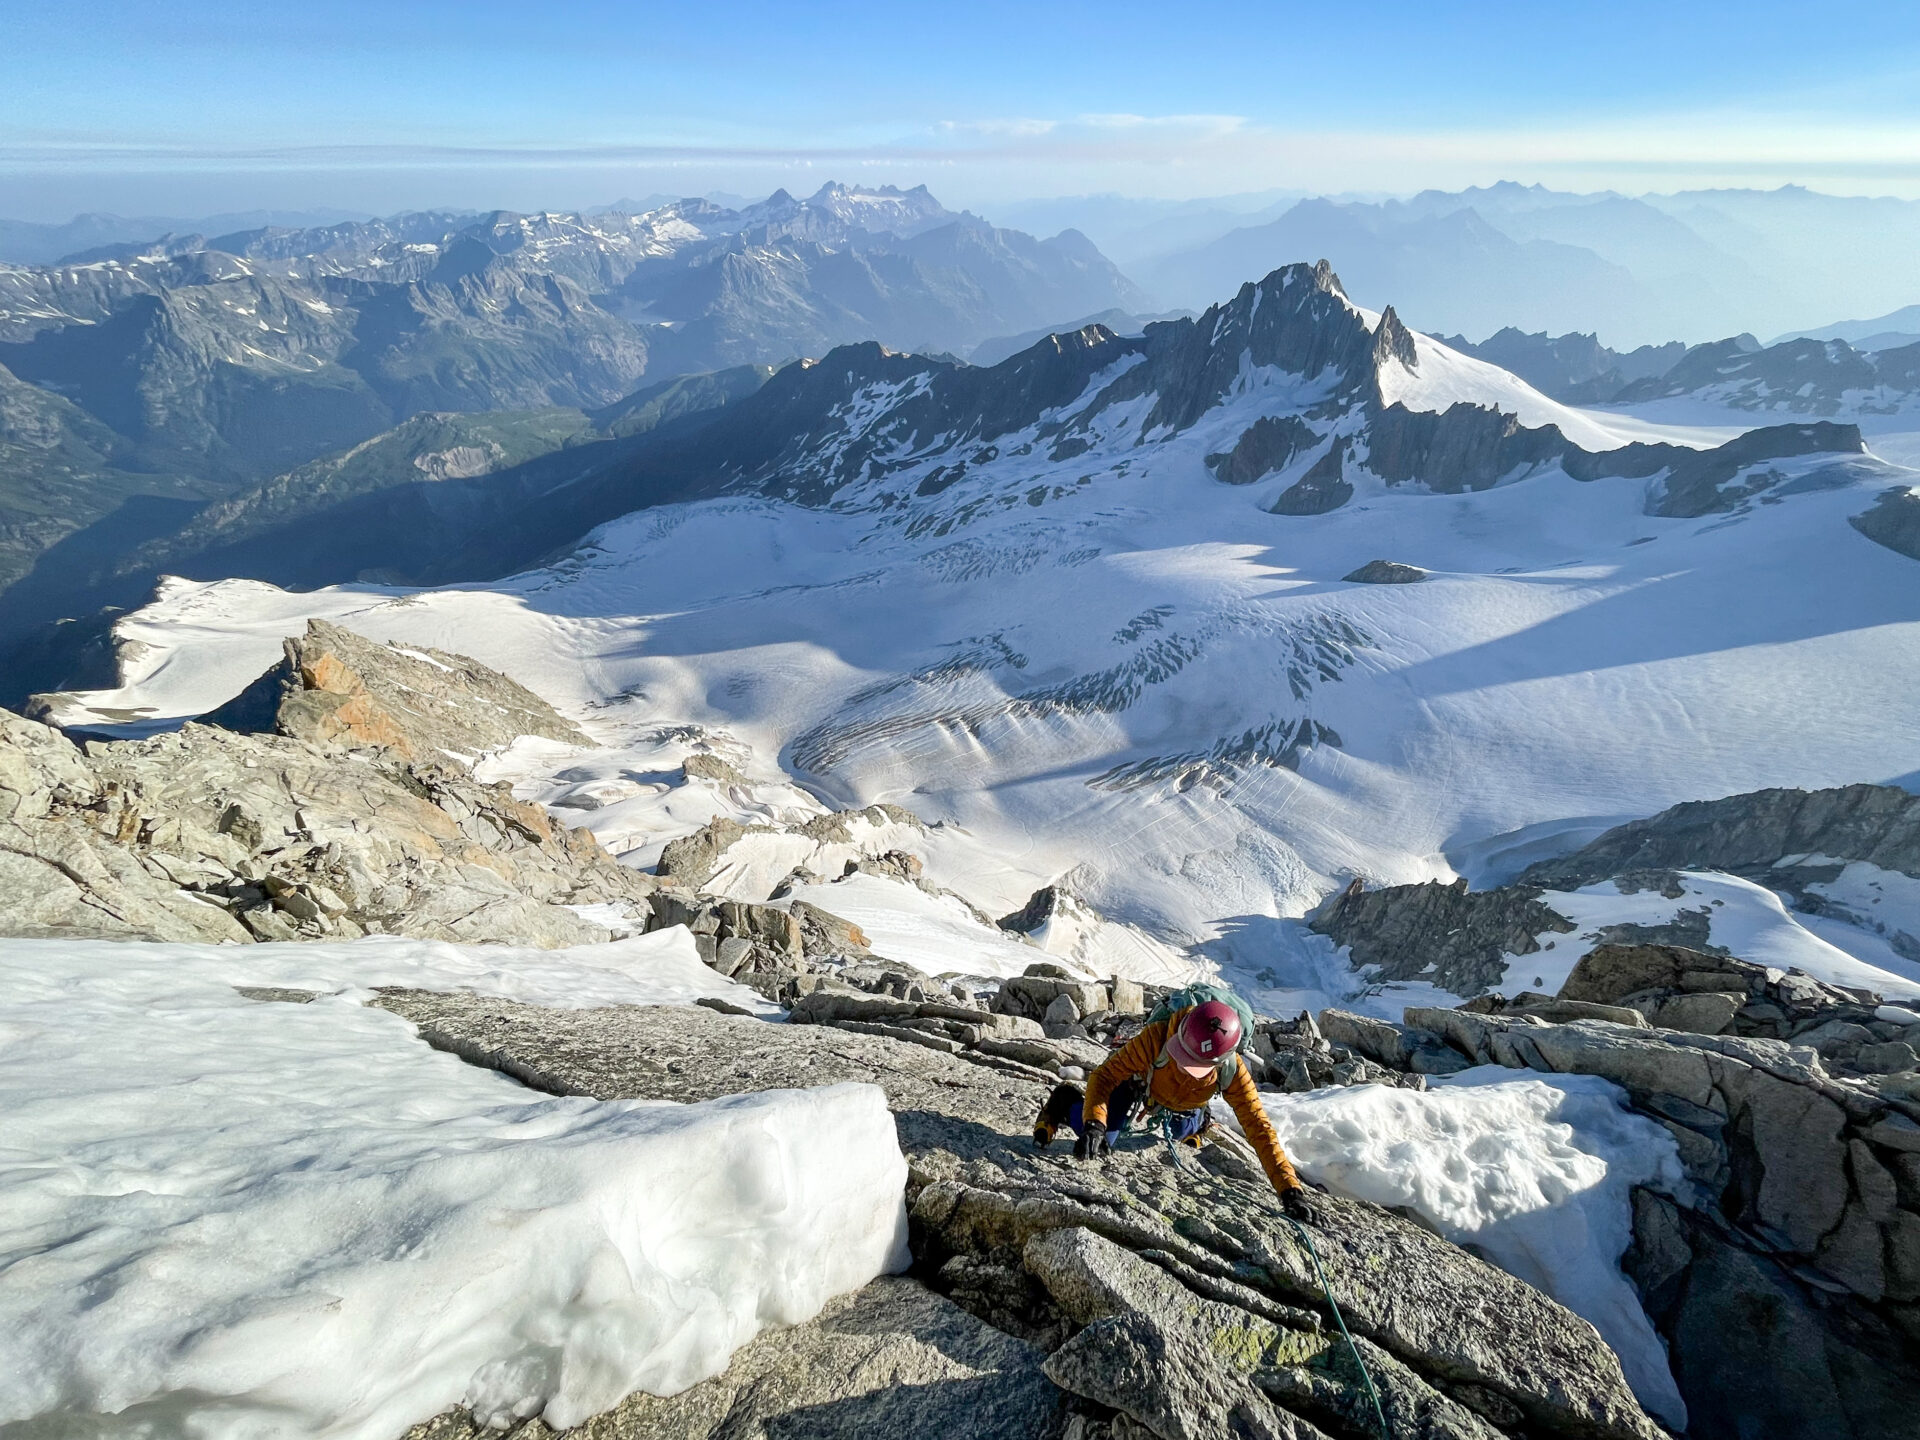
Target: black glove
1092,1145
1301,1205
1042,1136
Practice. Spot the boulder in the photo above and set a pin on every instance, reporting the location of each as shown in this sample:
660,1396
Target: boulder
1708,1013
1556,1010
1030,995
1385,572
334,687
823,933
1399,1047
691,860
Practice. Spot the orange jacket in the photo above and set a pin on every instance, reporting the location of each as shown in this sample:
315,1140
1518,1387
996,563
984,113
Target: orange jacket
1172,1088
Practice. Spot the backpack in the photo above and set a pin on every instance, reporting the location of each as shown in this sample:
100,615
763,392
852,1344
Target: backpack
1199,994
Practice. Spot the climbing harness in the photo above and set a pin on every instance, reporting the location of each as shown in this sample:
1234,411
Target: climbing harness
1173,1149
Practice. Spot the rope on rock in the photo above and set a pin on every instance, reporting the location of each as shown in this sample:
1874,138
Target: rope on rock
1340,1320
1179,1160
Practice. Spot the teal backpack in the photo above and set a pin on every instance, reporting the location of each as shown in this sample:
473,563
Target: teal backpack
1199,994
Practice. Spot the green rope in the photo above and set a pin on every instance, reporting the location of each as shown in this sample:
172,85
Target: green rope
1166,1133
1340,1320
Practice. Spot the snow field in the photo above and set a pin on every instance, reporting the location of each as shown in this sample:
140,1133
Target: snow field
661,968
1748,920
1535,1174
934,933
230,1218
1570,657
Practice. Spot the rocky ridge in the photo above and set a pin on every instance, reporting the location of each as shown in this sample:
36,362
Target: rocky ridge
1795,841
1161,1301
1804,1211
359,816
1795,1103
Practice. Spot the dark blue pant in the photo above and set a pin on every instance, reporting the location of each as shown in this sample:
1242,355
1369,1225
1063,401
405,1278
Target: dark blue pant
1181,1124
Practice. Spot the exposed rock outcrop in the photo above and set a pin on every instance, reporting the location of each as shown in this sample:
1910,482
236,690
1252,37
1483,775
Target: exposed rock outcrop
690,861
208,835
1168,1303
1894,521
333,686
1322,489
1464,447
358,816
1773,836
1716,994
1797,1254
1448,934
1385,572
1263,447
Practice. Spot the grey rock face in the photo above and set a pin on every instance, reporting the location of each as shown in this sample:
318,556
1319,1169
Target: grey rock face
690,861
1796,1235
208,835
1036,912
1385,572
1399,1047
1324,488
758,945
1185,1364
996,1221
1755,1349
894,1358
1751,834
1263,447
1444,933
1708,993
334,686
1894,521
1465,447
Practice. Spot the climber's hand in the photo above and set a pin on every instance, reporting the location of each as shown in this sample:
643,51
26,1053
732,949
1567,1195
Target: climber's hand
1301,1204
1092,1146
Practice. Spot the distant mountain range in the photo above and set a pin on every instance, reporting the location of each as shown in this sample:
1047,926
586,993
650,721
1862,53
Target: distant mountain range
1825,378
448,497
1648,269
181,368
1886,332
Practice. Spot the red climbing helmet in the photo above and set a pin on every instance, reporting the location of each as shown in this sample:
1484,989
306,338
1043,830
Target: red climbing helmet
1206,1034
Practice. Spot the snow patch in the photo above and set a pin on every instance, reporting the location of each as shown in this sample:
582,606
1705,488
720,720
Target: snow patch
1748,920
1536,1174
232,1218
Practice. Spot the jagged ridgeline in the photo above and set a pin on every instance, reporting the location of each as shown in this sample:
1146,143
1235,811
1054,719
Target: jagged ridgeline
1332,396
140,381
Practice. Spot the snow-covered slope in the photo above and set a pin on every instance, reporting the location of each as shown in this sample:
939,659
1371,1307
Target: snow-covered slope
1018,601
231,1216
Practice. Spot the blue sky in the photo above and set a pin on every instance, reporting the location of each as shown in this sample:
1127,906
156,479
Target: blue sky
181,108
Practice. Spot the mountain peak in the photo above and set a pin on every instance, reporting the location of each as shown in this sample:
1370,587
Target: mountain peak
1393,341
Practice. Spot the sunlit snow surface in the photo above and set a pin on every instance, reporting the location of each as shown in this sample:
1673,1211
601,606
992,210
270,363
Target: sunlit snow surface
227,1217
1536,1174
1092,669
1744,919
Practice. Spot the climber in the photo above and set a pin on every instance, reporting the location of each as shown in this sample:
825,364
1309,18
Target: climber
1064,1105
1187,1054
